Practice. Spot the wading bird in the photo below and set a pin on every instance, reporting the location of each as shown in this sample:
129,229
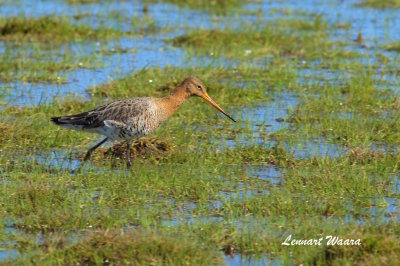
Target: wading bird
134,117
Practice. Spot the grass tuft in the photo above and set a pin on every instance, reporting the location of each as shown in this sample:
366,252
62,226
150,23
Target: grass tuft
393,47
215,6
121,247
48,28
143,147
379,3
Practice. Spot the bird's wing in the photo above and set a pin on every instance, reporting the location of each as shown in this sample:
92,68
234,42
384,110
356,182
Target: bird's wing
126,112
120,111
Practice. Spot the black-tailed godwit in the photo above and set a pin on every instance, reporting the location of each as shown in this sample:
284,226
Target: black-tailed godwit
134,117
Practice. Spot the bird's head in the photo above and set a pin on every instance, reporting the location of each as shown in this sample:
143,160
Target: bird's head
194,87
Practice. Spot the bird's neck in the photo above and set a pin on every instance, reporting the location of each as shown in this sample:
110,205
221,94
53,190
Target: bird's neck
171,103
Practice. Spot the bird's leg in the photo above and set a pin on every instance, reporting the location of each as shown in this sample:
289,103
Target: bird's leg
128,154
89,152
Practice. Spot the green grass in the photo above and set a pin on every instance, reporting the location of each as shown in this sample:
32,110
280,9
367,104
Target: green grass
56,29
44,67
393,47
335,111
136,247
222,83
216,6
60,29
379,3
79,213
299,38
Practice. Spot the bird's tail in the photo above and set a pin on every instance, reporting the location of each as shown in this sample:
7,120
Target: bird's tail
77,121
57,120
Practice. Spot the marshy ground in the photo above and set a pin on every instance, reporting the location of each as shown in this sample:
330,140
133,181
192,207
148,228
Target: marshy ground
314,87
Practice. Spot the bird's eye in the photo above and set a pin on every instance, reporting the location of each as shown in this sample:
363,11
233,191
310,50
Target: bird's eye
199,87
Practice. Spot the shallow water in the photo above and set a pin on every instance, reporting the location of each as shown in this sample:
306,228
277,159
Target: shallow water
263,118
238,260
377,27
395,183
58,159
267,119
146,52
315,148
390,213
5,252
72,161
163,14
8,254
269,173
116,65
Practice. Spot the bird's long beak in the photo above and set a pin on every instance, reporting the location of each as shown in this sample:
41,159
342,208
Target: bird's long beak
208,99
